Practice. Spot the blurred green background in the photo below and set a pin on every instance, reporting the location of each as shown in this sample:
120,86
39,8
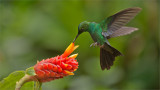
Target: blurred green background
32,30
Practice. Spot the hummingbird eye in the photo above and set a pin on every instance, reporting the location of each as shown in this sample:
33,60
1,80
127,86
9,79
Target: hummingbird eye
82,29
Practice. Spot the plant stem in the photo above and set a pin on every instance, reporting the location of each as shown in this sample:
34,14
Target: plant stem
23,80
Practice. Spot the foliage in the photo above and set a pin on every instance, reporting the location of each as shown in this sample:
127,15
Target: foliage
10,82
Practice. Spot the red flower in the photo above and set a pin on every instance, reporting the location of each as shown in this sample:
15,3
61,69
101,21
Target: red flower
57,67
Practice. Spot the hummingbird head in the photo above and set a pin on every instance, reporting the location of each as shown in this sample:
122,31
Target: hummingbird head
83,27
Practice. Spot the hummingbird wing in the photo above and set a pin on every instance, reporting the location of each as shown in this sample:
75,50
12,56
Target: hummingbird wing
120,19
122,31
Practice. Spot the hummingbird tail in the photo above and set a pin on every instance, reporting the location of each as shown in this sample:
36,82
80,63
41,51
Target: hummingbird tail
107,56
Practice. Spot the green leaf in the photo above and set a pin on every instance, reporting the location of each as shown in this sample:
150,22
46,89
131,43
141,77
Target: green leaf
30,71
9,82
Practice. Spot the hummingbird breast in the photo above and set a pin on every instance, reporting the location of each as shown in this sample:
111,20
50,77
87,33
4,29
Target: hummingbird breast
95,31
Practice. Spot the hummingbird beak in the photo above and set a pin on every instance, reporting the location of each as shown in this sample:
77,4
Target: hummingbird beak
75,38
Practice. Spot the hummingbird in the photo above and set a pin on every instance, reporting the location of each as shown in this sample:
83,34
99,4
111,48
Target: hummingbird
113,26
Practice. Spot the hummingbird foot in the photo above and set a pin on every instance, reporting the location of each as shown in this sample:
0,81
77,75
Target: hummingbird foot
94,44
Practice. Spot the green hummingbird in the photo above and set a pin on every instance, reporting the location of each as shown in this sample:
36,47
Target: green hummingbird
110,27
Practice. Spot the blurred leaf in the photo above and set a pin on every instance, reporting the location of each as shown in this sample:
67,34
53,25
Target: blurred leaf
9,82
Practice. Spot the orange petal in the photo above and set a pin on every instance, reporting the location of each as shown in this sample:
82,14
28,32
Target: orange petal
75,47
68,72
69,50
66,65
74,56
75,69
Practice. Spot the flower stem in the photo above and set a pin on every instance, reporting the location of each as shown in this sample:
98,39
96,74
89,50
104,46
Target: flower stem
23,80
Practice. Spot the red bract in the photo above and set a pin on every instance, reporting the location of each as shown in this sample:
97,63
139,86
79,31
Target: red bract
57,67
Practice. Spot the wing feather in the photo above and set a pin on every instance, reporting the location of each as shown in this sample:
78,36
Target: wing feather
120,19
122,31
